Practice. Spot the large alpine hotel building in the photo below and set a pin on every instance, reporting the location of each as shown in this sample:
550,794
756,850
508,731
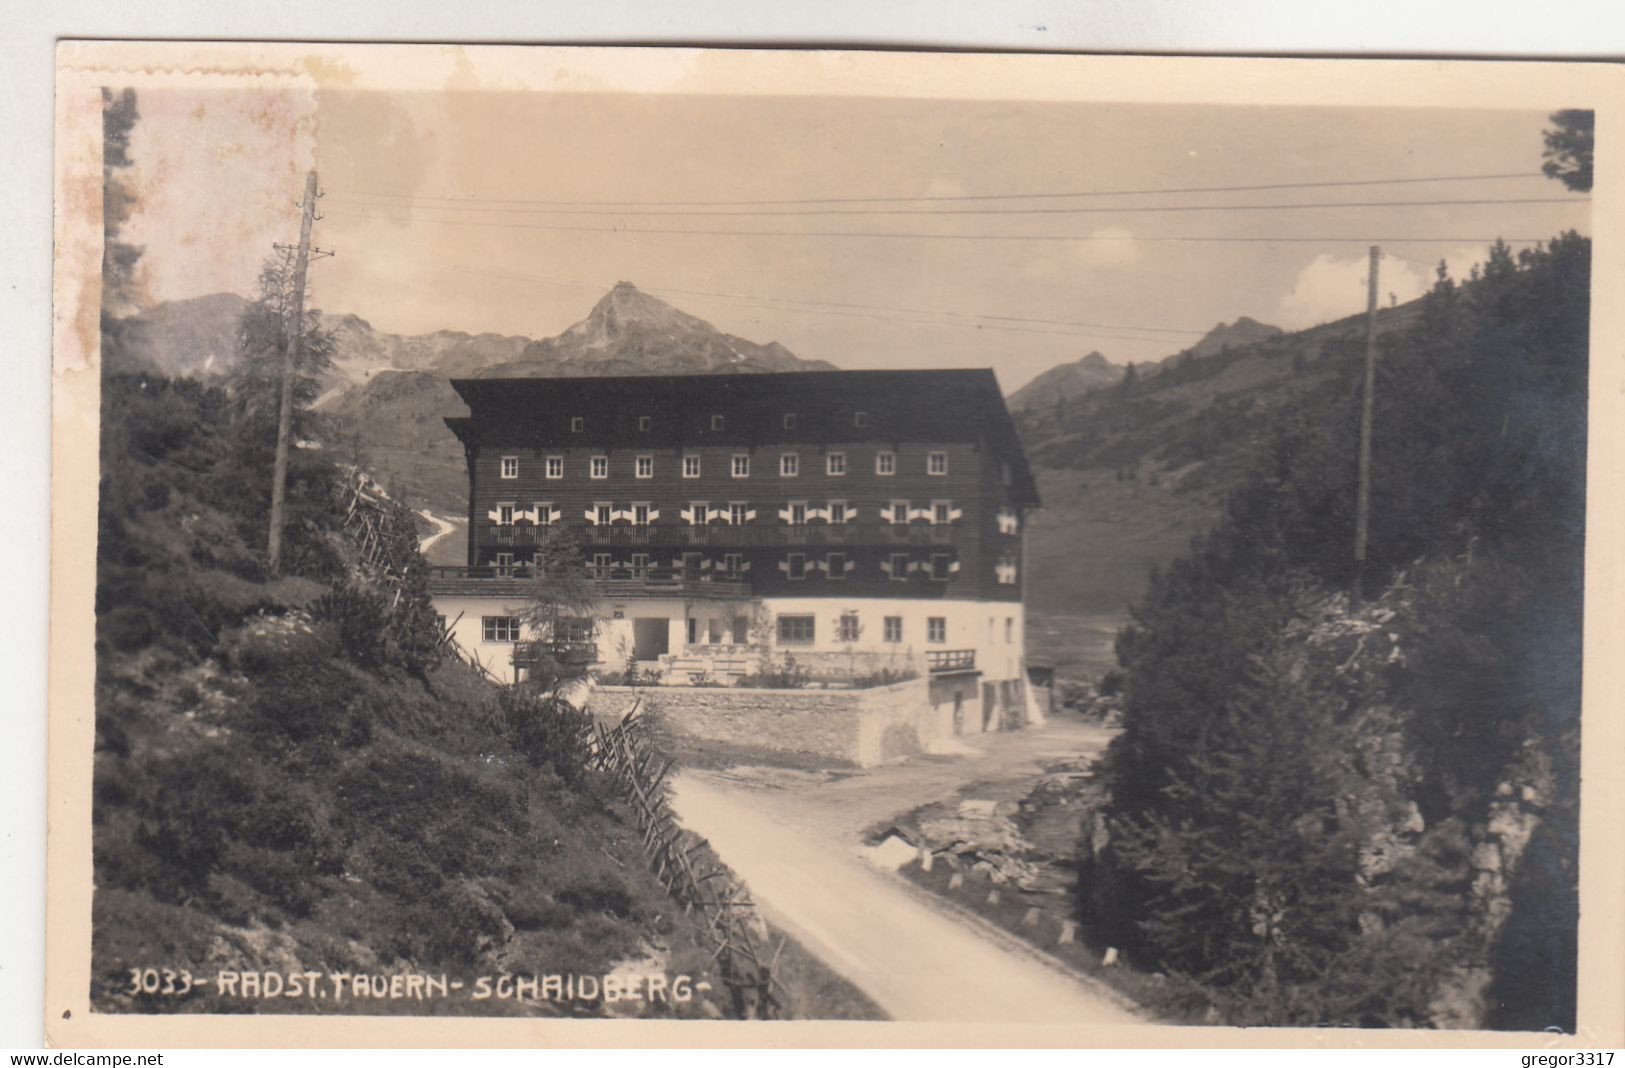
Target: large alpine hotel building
876,513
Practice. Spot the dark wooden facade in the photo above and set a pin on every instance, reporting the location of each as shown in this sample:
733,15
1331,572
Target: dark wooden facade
644,433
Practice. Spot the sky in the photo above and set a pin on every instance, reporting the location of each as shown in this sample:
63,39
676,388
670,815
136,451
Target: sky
955,233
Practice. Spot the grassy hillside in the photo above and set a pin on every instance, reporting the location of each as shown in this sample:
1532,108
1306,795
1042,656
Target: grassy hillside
1130,473
285,781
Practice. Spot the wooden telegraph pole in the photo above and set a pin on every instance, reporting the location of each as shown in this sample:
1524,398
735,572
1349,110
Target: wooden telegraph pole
1362,512
294,328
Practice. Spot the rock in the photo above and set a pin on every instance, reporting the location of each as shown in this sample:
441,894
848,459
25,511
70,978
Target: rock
891,853
978,810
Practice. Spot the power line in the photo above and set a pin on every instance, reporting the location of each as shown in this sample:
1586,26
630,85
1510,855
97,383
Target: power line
932,212
1005,323
977,197
870,234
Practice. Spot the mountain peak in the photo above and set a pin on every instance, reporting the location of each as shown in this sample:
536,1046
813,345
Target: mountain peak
630,332
1244,331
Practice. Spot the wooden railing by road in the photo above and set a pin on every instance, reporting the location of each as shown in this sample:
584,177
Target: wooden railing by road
690,871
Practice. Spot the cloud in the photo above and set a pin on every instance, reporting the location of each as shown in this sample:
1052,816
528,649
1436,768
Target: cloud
1333,287
1110,246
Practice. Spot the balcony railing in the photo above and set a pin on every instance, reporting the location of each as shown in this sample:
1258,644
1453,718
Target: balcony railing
728,535
943,660
612,582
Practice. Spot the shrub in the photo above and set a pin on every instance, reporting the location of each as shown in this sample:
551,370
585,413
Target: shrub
548,731
359,619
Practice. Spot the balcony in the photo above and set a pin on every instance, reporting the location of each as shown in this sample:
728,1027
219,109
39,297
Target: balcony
611,583
950,661
727,535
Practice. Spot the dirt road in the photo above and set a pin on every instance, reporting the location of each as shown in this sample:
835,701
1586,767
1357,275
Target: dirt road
445,529
792,837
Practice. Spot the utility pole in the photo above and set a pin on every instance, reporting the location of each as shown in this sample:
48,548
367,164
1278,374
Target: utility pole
1362,513
294,329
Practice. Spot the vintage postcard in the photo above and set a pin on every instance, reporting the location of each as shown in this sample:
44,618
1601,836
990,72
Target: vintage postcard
669,547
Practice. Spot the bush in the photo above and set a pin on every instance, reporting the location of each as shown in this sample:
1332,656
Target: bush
548,731
359,619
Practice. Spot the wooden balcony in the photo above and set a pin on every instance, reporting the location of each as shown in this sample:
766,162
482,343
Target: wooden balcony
950,661
771,534
611,583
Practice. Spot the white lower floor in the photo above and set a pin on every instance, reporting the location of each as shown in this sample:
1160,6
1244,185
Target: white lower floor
972,651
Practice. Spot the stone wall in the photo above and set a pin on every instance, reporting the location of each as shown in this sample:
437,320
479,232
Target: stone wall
859,727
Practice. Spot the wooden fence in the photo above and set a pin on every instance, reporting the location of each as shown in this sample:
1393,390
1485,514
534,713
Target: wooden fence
690,871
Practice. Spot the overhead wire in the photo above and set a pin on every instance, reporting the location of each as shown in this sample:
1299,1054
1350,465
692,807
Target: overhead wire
1013,324
926,236
1166,209
969,197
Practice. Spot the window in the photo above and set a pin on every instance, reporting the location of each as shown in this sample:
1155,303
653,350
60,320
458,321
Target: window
835,567
789,420
860,419
741,465
936,463
544,513
940,511
796,630
505,513
796,566
899,512
697,512
575,630
835,463
939,567
899,567
645,422
577,424
640,514
798,512
1009,630
738,514
733,564
602,514
691,467
716,422
691,570
936,629
850,627
789,465
640,564
504,564
600,565
837,511
646,467
510,467
600,467
693,635
741,630
555,467
499,628
885,463
894,628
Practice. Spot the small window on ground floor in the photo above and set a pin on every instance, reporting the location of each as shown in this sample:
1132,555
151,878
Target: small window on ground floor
851,628
894,628
796,630
936,629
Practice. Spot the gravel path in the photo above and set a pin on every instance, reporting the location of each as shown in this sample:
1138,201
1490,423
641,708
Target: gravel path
793,838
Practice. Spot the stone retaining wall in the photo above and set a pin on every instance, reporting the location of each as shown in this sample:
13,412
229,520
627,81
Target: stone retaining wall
861,727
